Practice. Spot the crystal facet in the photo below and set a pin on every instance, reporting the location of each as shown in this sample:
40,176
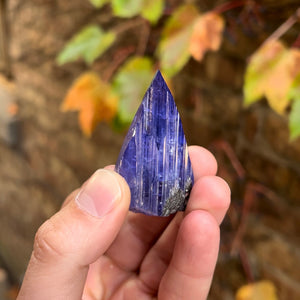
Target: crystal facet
154,158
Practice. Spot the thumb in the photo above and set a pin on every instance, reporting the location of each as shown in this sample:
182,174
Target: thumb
75,237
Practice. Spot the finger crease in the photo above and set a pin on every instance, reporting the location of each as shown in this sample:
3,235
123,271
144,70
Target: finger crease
188,274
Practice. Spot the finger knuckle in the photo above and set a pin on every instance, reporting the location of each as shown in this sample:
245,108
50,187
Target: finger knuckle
46,246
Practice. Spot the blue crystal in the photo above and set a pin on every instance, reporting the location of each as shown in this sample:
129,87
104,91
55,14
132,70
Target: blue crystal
154,158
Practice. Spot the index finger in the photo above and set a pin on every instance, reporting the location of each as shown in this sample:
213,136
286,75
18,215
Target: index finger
203,162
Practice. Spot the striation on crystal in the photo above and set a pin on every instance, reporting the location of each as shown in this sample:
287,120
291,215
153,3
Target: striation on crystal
154,157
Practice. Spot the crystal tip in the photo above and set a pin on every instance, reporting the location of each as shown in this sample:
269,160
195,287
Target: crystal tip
158,81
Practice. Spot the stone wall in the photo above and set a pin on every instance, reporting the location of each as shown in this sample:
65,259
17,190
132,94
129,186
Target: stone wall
53,157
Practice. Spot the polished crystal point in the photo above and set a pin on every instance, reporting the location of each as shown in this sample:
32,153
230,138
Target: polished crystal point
154,158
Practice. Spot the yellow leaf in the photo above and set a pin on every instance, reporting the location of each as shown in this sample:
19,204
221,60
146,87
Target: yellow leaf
94,100
180,19
262,290
280,81
270,73
173,49
207,35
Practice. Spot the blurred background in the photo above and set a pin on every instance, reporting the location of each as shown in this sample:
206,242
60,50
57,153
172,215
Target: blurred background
210,54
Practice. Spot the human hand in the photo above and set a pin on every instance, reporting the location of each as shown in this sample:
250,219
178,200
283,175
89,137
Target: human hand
93,248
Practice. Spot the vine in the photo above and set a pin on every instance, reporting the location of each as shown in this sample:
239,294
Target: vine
273,71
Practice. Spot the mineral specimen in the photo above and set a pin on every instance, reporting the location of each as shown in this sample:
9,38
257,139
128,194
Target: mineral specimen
154,158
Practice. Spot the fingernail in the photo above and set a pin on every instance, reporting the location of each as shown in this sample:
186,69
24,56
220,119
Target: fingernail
98,196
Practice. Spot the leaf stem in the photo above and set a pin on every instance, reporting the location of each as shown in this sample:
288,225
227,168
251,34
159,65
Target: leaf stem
119,58
284,27
144,38
119,29
230,5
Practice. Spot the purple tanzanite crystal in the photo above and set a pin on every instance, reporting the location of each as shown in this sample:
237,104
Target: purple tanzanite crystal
154,158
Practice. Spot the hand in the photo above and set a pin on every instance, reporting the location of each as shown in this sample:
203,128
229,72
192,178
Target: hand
93,248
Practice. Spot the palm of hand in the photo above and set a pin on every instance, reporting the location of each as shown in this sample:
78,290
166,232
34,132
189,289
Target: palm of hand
148,259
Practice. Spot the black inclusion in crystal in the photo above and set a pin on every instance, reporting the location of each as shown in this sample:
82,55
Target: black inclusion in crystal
154,157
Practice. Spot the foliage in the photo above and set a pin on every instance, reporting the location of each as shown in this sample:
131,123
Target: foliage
152,10
149,9
130,84
273,71
295,110
88,44
127,9
188,33
99,3
207,35
173,49
93,98
262,290
295,119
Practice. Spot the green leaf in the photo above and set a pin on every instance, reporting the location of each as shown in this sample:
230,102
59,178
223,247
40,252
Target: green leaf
99,3
294,92
88,44
149,9
182,17
130,84
173,49
127,8
152,10
294,120
174,53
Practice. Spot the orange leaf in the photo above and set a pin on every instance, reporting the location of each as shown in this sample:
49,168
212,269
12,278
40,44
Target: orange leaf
94,100
207,35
